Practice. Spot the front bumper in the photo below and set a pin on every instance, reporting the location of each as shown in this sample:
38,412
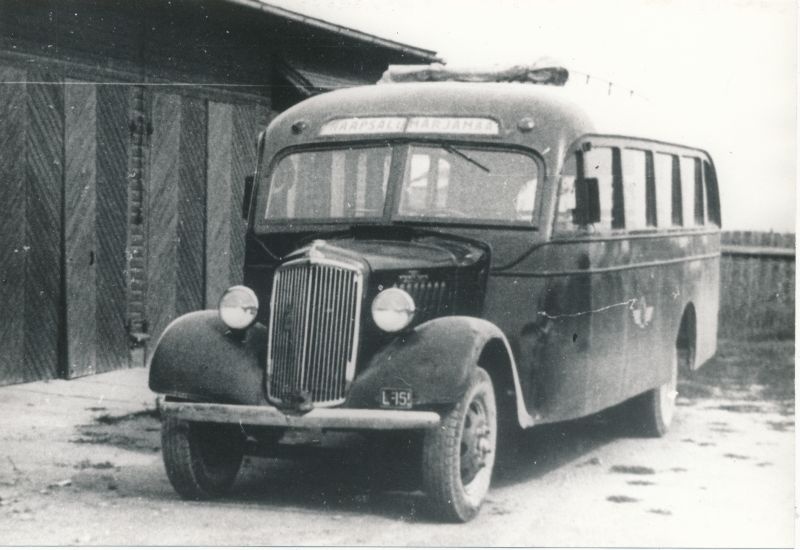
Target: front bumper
336,418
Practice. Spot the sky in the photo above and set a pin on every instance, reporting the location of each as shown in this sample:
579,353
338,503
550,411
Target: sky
725,71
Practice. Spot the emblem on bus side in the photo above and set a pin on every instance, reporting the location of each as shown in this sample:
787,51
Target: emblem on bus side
642,313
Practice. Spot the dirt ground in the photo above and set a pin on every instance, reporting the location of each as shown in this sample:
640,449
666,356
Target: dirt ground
91,474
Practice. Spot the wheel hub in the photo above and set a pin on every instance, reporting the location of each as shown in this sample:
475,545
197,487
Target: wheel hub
476,443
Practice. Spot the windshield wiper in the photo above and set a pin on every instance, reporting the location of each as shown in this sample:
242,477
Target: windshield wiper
450,149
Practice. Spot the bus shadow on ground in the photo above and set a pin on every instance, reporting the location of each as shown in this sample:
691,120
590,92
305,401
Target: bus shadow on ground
540,450
357,478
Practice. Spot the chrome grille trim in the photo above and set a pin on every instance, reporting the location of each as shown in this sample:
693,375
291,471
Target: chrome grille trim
315,313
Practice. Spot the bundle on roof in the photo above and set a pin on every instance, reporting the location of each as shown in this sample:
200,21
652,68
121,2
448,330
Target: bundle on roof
543,71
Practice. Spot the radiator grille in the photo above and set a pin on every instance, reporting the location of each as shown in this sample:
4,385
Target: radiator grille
313,331
432,298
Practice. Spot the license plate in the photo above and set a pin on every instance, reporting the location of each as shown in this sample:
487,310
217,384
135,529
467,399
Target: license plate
396,399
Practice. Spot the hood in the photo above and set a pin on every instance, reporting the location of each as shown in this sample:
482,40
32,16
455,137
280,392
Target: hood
407,252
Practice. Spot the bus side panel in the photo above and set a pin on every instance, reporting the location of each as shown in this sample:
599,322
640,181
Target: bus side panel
602,316
552,372
569,334
657,294
705,279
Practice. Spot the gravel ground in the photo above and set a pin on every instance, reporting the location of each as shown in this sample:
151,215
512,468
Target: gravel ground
81,470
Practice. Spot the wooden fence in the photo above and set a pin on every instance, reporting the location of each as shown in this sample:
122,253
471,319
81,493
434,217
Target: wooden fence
757,281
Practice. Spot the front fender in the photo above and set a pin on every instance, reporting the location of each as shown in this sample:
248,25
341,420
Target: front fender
434,361
198,358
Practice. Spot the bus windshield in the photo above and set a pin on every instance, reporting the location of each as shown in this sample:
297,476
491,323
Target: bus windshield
440,182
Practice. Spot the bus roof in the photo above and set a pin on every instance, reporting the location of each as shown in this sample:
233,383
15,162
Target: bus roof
559,114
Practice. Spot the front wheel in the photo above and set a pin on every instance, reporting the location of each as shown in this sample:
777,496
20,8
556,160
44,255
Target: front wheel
458,456
201,459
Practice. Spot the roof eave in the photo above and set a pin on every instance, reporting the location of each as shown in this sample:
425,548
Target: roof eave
332,27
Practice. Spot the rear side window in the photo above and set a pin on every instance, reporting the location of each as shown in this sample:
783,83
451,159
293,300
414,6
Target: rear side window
712,194
692,192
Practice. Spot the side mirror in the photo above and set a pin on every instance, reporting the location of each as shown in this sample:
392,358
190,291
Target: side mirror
587,202
248,194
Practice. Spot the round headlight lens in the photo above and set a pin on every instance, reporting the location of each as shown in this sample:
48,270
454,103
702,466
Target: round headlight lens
393,309
238,307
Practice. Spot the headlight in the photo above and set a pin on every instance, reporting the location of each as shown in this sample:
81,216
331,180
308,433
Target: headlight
393,309
238,307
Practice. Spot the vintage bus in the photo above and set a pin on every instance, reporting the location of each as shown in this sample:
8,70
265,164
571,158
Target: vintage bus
450,258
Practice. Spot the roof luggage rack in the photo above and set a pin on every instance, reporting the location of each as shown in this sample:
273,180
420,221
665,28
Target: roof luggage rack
542,71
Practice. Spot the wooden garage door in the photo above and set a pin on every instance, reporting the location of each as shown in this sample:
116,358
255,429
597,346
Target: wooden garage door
95,210
200,152
31,171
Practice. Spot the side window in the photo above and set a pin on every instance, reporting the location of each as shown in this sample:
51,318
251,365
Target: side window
566,197
664,190
712,194
689,186
634,184
601,163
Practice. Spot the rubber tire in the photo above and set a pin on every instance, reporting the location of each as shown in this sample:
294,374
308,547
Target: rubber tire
448,498
653,411
202,460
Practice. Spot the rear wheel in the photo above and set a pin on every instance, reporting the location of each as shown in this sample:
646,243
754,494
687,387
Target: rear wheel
652,412
201,459
458,456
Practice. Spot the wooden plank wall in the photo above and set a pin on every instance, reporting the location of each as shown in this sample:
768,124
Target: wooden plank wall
232,129
95,207
80,236
161,212
12,224
31,137
757,280
201,152
44,163
113,104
